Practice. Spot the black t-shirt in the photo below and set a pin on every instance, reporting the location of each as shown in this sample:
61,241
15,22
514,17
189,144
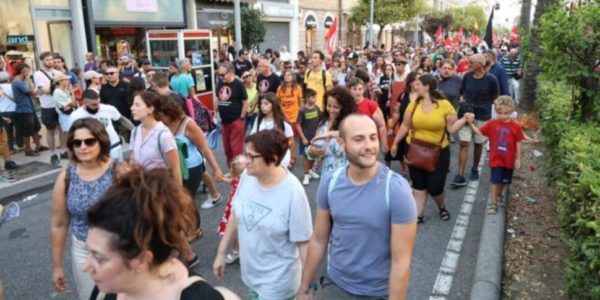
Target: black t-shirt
385,84
267,84
231,97
241,67
480,93
117,96
198,290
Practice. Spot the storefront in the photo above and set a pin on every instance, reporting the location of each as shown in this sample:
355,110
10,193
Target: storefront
217,21
28,28
281,25
118,27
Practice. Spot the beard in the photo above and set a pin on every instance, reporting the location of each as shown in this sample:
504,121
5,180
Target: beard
92,110
361,162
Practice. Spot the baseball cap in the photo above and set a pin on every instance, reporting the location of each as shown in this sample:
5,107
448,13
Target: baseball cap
504,48
61,77
91,74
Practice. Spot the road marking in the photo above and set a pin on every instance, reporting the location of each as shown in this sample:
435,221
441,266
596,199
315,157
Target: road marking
443,282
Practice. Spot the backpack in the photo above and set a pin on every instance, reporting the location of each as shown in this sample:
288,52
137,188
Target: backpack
203,116
181,151
336,174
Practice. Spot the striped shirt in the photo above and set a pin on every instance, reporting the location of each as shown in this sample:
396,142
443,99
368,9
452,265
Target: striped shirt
511,66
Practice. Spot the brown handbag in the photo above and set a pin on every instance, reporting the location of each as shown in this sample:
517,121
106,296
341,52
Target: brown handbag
422,155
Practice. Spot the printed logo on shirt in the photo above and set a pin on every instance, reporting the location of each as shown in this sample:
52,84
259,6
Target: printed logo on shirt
263,86
311,115
502,142
104,120
253,213
225,93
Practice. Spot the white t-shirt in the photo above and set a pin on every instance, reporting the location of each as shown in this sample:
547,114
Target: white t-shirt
106,115
7,105
40,79
269,124
270,223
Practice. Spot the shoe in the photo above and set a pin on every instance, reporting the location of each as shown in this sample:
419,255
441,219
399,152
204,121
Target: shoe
211,202
306,179
459,181
41,148
474,175
54,159
6,177
232,257
193,262
10,165
313,174
31,153
64,155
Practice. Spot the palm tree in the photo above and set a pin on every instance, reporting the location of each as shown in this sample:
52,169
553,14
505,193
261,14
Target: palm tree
532,69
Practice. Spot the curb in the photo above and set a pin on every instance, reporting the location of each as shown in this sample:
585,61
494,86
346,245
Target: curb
487,282
37,182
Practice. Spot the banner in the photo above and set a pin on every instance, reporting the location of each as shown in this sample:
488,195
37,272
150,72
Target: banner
331,37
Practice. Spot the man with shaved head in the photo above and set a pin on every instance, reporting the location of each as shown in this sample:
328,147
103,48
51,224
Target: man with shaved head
479,90
369,215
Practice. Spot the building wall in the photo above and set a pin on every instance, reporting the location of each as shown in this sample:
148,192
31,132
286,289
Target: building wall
315,37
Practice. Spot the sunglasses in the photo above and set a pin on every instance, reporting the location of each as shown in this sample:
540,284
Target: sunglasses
88,142
110,73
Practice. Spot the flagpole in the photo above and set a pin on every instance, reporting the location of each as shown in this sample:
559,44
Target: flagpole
371,17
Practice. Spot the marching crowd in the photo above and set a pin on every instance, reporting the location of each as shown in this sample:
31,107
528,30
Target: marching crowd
131,223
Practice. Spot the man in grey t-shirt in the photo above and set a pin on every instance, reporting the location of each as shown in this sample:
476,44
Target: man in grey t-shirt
366,216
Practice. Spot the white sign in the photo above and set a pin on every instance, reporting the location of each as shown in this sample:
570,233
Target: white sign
142,6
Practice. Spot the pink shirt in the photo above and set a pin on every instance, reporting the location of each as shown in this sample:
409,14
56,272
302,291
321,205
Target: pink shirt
146,153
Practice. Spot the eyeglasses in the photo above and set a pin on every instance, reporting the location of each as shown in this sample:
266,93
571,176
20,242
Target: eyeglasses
287,68
252,157
110,73
244,77
88,142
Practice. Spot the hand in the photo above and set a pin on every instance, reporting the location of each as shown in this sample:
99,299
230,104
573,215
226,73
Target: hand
304,141
387,104
302,296
58,279
384,148
7,120
518,164
317,138
394,149
470,117
219,265
218,175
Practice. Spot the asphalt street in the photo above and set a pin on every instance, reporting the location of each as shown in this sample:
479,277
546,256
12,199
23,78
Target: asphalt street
25,252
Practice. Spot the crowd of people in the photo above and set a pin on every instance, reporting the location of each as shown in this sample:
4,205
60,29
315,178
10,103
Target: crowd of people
132,222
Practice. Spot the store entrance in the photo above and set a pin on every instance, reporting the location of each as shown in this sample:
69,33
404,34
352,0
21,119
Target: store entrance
55,36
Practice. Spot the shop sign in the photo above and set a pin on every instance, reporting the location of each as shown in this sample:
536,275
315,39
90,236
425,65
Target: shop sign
278,10
19,39
310,22
213,19
328,21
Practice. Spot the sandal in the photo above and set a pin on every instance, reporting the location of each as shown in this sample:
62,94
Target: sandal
492,209
41,148
31,153
444,214
420,219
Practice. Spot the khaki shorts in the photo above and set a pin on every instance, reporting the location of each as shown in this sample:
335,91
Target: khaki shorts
466,134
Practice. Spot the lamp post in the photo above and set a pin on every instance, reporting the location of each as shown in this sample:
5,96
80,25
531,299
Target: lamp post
371,17
238,24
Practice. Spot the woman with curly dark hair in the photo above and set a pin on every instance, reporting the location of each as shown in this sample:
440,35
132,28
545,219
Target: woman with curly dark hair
137,231
339,103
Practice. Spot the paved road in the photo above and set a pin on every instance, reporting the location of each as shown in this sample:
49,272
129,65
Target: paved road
25,255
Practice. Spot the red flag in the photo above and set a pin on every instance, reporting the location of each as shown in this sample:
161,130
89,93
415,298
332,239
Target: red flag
448,41
438,35
459,36
331,37
515,29
474,39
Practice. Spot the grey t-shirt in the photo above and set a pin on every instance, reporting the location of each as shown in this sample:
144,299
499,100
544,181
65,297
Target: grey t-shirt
359,247
270,223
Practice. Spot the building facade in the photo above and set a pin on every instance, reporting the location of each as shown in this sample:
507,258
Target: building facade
315,18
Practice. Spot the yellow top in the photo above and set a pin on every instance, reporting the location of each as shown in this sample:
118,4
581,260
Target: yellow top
431,126
314,81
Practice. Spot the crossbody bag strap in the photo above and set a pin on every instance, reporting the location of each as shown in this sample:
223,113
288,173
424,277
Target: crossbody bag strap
444,131
412,117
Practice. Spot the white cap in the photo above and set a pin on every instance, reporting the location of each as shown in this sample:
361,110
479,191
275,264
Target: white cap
88,75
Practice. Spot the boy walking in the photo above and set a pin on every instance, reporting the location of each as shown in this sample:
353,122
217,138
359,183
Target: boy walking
505,136
308,122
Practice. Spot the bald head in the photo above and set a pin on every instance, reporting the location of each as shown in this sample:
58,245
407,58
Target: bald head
477,58
355,122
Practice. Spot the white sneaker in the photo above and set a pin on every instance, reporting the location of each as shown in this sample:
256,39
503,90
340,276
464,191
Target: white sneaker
306,179
232,257
313,174
211,202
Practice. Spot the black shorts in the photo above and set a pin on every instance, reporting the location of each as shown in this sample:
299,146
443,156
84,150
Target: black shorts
435,181
50,118
400,154
28,123
501,176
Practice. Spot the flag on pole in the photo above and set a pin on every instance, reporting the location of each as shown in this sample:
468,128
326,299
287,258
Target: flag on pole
331,37
438,35
489,32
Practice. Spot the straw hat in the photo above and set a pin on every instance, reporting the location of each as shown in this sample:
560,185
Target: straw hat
88,75
60,77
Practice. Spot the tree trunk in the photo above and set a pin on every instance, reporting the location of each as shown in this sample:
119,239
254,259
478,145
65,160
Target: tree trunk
532,69
525,16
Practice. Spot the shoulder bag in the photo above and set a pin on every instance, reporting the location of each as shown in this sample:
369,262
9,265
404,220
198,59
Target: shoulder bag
421,154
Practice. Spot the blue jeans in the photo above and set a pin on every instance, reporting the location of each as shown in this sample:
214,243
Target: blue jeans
249,123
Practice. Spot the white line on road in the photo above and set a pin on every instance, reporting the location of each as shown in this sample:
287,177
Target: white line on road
443,282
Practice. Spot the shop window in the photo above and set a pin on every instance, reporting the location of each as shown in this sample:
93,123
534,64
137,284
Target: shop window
163,53
16,21
198,52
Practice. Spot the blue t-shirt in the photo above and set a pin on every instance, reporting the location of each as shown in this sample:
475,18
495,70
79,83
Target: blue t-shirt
359,247
182,83
23,101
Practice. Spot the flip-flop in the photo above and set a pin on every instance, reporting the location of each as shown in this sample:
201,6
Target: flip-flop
492,209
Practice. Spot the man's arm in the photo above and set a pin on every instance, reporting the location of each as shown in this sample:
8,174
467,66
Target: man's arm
126,123
317,247
381,128
402,242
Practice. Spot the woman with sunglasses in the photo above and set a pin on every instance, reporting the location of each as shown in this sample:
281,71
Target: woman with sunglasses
271,217
88,176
